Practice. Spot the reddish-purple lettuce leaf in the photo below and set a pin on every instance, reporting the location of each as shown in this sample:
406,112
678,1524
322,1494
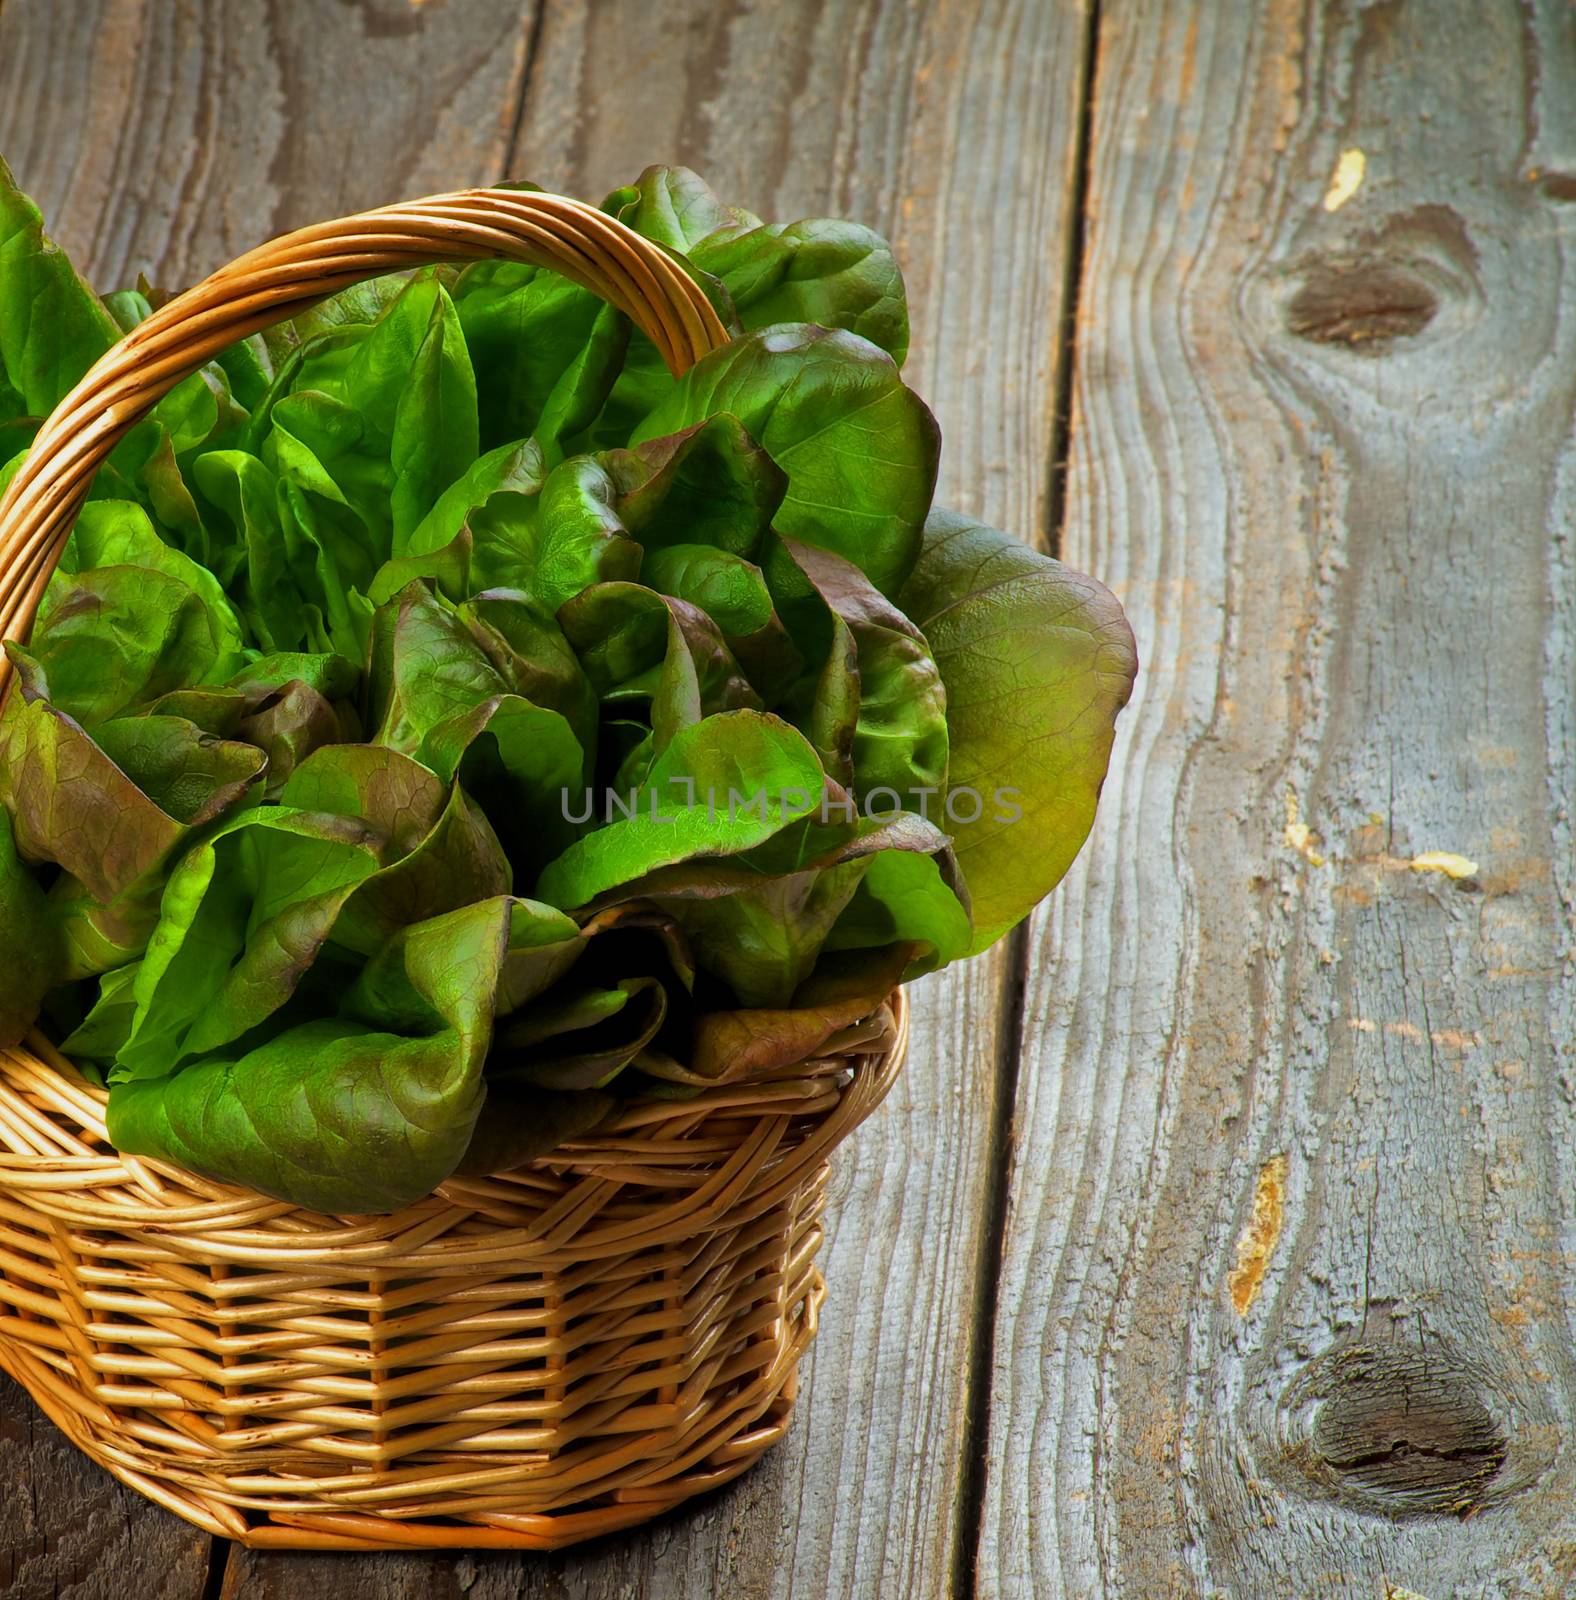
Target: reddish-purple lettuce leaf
735,1046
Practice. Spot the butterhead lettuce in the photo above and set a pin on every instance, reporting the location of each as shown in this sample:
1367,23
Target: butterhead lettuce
445,725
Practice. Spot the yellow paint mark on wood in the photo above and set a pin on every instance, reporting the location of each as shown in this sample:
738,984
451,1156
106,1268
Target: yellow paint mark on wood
1257,1242
1445,861
1451,1038
1298,835
1346,180
1456,1039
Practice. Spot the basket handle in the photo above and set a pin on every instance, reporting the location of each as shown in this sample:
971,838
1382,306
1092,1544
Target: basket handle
290,275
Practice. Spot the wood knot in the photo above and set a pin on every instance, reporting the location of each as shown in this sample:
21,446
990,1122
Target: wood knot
1408,1431
1365,303
1395,1429
1415,271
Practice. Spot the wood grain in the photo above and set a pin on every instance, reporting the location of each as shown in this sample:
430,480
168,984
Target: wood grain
1321,449
951,127
68,1528
168,136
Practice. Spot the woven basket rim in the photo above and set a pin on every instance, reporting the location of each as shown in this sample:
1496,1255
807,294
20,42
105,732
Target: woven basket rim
133,1189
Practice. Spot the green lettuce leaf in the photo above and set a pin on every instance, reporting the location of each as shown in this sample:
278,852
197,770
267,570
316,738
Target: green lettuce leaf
113,830
761,919
1037,661
595,516
30,947
530,651
878,709
367,1110
52,326
735,1046
546,352
822,270
127,619
722,786
438,694
583,1038
364,843
858,447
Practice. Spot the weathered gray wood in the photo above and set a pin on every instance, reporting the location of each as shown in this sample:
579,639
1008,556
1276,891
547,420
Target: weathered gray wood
1287,1295
951,127
168,138
67,1528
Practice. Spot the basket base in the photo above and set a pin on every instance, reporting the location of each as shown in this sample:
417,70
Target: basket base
500,1530
522,1361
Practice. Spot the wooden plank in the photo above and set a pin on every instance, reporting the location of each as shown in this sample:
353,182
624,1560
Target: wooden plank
951,127
168,139
1286,1294
67,1527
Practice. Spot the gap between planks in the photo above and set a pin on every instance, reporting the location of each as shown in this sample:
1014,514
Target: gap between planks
977,1435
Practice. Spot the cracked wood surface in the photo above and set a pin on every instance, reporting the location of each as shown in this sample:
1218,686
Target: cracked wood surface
1325,380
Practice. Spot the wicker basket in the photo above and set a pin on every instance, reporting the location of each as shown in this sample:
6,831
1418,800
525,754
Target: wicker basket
521,1361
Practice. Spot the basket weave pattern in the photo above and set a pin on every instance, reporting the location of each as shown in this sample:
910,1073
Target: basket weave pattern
520,1361
523,1360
